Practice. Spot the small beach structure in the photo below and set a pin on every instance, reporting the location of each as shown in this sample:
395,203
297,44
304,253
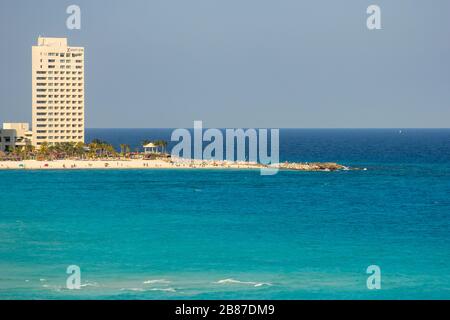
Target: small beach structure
150,148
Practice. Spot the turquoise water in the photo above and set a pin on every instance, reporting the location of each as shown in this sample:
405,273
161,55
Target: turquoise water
207,234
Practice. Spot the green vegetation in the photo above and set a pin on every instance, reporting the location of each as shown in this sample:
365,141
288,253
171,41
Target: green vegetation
96,149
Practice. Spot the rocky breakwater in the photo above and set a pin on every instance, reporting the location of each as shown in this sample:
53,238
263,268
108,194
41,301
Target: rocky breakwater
312,166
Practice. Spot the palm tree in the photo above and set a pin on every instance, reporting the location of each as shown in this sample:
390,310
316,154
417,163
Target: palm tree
162,144
44,149
122,149
94,146
79,149
28,149
101,148
109,149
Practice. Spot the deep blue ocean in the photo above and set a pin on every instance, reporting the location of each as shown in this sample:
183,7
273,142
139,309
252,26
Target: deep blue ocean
212,234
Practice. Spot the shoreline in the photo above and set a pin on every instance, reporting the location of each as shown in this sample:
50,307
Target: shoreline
118,164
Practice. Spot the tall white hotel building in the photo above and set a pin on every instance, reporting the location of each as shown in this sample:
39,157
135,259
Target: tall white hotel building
57,92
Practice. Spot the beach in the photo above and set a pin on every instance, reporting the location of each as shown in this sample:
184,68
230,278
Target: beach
122,164
162,163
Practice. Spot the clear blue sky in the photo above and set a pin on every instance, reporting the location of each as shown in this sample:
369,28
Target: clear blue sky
241,63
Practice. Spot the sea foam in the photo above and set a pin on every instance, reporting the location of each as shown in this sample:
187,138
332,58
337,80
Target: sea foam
156,281
250,283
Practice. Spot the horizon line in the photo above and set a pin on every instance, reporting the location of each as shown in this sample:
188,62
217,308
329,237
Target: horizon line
285,128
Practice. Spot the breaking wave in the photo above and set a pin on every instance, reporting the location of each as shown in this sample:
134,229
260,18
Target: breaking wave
249,283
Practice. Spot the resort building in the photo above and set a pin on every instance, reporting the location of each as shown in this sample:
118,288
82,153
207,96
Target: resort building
57,92
14,135
23,135
7,138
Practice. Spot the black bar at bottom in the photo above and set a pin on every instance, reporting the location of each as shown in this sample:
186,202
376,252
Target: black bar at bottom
226,309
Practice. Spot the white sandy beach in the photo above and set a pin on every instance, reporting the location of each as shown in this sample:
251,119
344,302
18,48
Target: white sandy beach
122,164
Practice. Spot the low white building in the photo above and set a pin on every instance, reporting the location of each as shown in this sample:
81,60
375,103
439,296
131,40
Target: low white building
7,139
14,135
